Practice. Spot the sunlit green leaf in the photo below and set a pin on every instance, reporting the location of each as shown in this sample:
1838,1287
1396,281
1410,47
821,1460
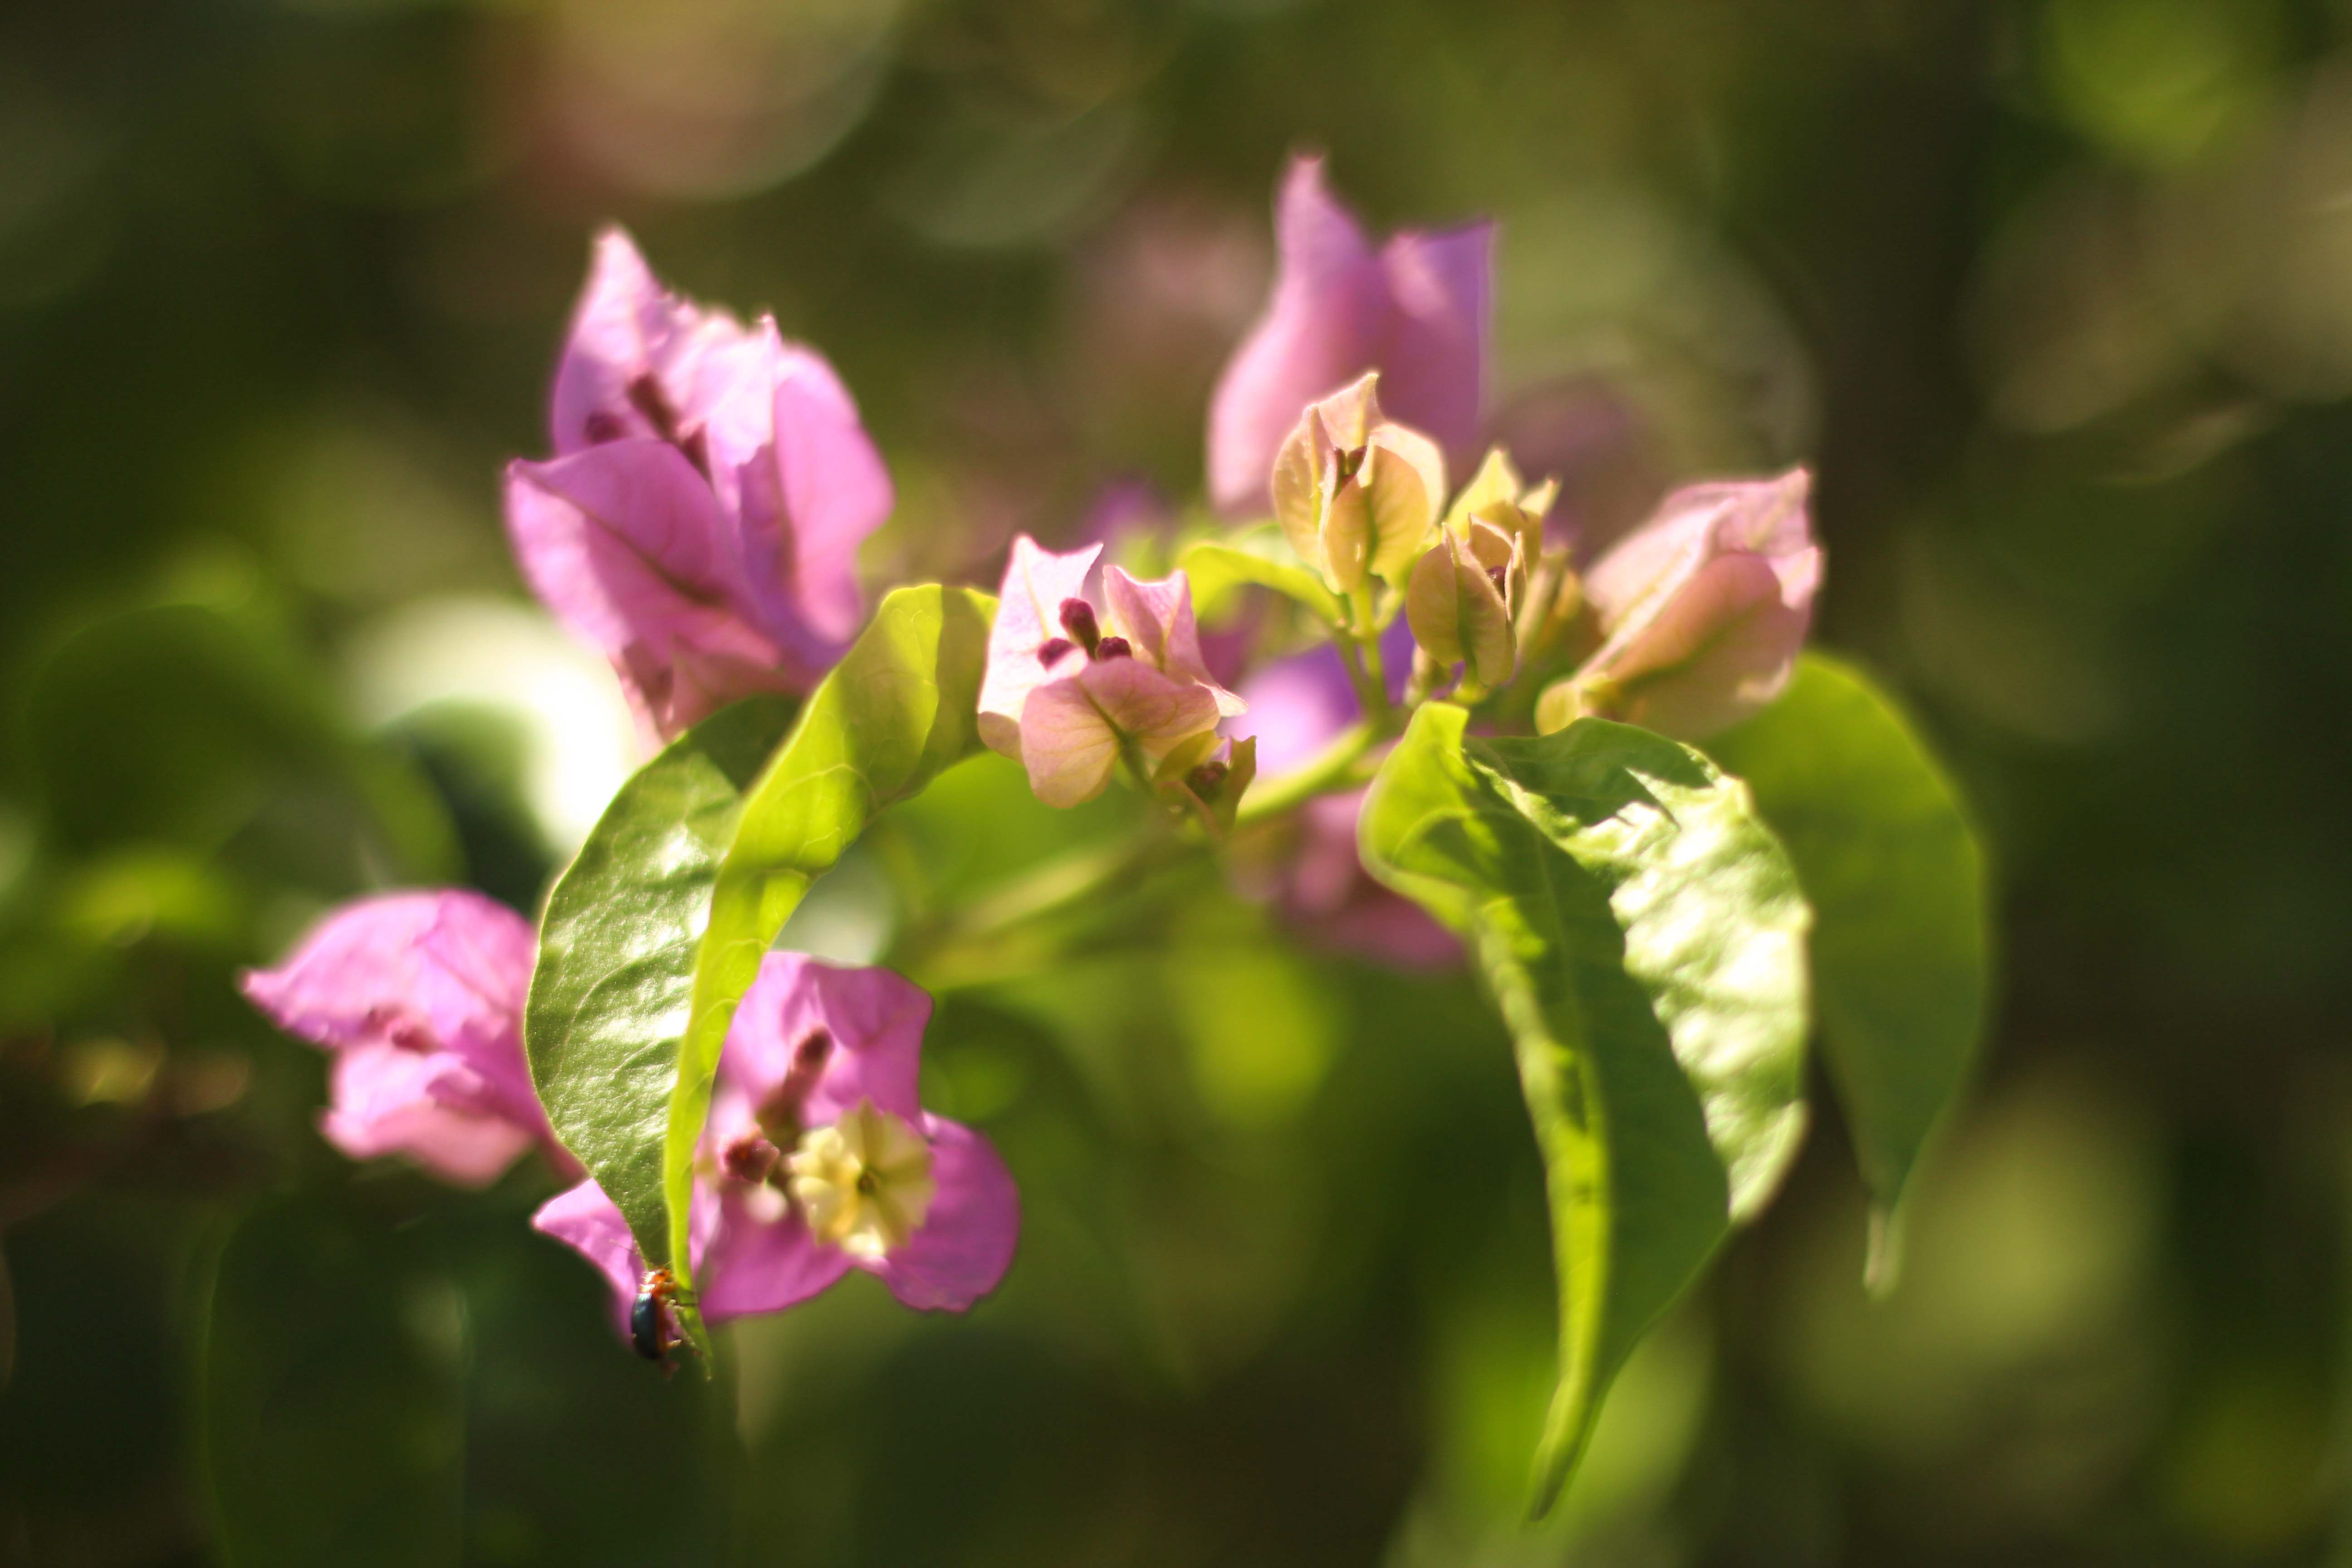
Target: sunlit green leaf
616,947
1642,933
1886,856
1260,556
333,1410
901,706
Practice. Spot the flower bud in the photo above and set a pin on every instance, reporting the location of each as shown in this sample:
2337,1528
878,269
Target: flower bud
749,1157
1497,479
1499,553
1458,605
1550,605
1077,618
1415,308
1496,495
1354,493
1211,790
1179,761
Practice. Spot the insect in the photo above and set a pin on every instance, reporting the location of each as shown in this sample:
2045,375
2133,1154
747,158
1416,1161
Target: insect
653,1317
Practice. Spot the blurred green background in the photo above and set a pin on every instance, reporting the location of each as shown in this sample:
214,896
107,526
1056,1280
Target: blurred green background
2058,296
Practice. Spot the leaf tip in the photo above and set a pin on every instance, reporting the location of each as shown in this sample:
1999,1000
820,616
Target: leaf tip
1555,1465
1567,1429
1882,1266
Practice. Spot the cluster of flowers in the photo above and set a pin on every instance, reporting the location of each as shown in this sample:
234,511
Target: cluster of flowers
817,1159
698,523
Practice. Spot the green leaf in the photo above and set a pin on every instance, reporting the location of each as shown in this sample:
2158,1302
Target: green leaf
616,949
333,1409
1261,556
179,724
901,706
1888,857
1642,933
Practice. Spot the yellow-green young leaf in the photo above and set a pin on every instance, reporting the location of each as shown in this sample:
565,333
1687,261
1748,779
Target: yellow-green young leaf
898,707
1887,854
1642,933
1497,482
616,949
1261,556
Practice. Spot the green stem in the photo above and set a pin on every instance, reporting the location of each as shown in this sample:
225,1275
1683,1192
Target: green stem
1360,652
1376,677
970,945
1059,884
1351,658
1072,879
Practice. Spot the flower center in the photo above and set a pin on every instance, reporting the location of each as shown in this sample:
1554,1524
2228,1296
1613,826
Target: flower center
646,396
865,1182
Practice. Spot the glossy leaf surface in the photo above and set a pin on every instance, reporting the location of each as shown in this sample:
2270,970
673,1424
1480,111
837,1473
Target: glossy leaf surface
1886,856
616,949
1642,933
898,707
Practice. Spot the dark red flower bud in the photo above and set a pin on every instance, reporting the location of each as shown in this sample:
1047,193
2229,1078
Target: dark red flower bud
749,1158
1113,647
809,1054
646,396
1049,654
697,448
780,1113
1078,620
